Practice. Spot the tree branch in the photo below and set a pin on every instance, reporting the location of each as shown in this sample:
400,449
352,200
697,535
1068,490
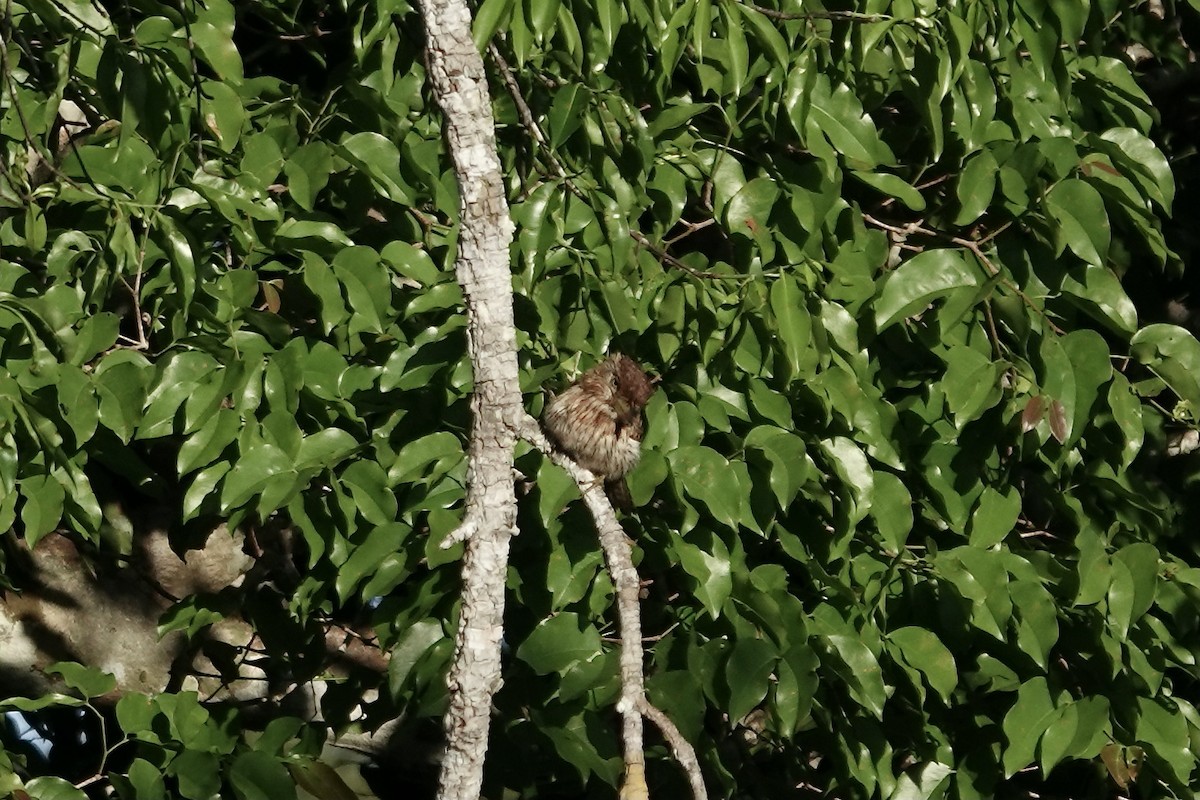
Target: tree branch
685,754
456,75
618,555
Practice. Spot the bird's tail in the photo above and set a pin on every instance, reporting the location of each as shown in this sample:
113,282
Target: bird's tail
618,494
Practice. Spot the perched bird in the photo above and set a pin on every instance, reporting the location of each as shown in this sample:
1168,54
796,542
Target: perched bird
598,422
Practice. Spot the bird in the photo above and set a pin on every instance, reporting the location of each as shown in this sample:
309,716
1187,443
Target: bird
598,422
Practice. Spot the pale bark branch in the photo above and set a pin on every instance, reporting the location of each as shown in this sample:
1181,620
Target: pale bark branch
618,555
684,753
456,75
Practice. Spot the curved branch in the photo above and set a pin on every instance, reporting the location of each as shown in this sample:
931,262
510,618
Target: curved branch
685,754
618,556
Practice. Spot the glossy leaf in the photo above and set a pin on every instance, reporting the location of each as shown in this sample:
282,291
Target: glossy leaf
914,285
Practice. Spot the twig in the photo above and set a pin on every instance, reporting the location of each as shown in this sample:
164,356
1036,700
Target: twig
557,169
991,323
191,48
976,248
848,16
135,292
685,754
667,258
691,227
523,110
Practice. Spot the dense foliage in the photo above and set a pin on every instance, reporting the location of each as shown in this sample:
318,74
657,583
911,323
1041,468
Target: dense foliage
907,515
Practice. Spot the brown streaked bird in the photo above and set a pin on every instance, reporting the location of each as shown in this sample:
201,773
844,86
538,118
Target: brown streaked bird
598,422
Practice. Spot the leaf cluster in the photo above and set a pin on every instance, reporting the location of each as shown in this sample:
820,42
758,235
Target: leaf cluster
909,527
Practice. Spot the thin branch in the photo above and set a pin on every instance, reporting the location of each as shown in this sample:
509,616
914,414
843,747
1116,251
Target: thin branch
671,260
846,16
191,48
976,248
618,555
523,110
135,294
690,228
685,754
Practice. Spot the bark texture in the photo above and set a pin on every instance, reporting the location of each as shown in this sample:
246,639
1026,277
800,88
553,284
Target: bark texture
456,73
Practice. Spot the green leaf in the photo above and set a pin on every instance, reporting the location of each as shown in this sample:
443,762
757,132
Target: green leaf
177,380
850,464
217,48
787,463
1165,733
796,683
488,18
767,33
994,517
320,780
1099,292
749,210
558,643
542,15
712,572
368,555
135,713
121,385
892,510
38,703
1146,165
147,780
198,773
703,475
1059,387
856,666
1142,561
304,234
1037,630
927,782
205,445
976,187
1174,355
307,171
893,186
1024,724
413,643
372,496
252,473
224,114
1127,413
258,776
793,322
910,288
51,788
1082,220
368,288
923,651
747,674
378,158
971,383
325,448
88,681
43,508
